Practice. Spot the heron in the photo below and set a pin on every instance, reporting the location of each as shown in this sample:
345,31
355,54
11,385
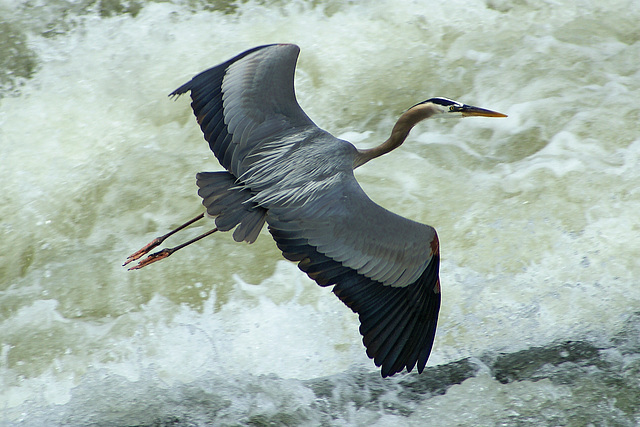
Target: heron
282,169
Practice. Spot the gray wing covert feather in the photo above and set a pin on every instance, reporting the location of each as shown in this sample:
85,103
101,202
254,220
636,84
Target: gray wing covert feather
345,225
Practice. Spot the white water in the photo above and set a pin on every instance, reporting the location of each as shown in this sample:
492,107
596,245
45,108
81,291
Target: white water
537,214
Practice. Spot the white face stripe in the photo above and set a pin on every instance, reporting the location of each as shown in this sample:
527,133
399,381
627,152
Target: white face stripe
444,101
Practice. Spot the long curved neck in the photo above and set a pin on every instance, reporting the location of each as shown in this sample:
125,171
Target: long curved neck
399,133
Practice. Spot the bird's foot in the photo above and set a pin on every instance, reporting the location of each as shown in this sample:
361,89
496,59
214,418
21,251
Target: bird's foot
157,256
145,250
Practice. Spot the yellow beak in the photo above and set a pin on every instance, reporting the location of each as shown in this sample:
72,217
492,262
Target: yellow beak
470,110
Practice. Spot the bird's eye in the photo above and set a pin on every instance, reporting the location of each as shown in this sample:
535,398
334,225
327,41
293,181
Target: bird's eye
452,108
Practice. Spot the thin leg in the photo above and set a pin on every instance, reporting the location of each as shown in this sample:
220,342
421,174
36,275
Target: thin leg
157,256
158,240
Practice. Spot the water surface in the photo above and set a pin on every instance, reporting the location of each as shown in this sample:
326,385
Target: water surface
537,215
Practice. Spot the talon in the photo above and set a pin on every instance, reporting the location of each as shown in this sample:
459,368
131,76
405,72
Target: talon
157,256
155,242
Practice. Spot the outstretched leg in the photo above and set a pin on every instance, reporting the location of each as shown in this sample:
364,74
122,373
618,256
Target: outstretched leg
158,240
157,256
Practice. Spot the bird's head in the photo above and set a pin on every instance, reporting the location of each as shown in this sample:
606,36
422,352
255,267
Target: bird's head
450,108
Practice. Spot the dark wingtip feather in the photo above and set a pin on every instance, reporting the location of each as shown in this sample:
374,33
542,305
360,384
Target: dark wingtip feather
198,79
181,90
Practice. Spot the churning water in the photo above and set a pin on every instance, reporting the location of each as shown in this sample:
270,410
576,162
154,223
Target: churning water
538,215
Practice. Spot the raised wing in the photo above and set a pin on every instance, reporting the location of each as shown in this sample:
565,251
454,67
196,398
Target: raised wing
247,101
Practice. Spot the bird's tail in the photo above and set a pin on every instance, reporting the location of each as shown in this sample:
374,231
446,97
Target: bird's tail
229,204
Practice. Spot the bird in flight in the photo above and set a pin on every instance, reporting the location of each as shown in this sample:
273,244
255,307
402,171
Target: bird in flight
284,170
